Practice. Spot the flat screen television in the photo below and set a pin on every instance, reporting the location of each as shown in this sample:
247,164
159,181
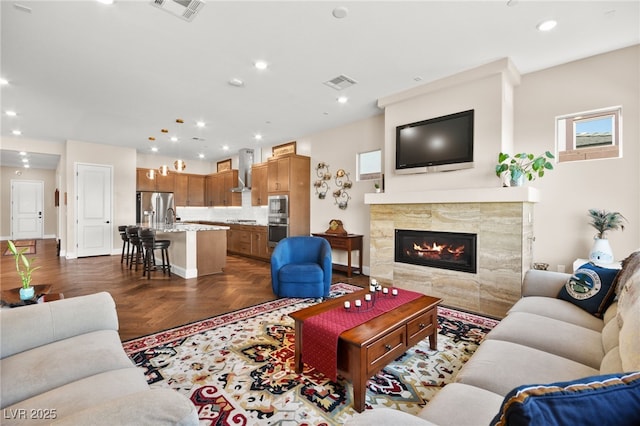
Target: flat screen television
435,145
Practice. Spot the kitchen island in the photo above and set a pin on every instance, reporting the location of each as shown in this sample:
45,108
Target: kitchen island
195,249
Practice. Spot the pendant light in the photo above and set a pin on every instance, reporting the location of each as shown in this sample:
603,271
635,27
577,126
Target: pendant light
163,170
179,165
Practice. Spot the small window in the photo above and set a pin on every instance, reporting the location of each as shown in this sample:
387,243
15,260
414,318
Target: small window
589,135
370,165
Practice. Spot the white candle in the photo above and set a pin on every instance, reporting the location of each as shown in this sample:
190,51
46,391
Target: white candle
379,287
372,288
367,297
358,303
394,291
385,290
347,305
374,282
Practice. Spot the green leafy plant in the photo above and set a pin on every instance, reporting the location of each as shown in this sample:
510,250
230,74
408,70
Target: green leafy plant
376,185
605,221
523,164
23,264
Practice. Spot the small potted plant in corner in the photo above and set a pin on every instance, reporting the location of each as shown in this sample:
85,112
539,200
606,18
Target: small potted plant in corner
604,221
376,185
24,268
523,166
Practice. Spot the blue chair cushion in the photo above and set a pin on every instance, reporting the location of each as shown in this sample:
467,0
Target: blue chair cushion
301,273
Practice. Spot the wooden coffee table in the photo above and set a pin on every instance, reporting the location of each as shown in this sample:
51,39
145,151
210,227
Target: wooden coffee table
368,348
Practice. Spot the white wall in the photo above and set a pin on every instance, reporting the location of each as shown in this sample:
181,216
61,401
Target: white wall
339,147
123,161
561,221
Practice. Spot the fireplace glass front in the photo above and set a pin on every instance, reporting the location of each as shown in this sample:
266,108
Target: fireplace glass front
447,250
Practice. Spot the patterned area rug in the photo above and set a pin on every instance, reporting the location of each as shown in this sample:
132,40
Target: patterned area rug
238,368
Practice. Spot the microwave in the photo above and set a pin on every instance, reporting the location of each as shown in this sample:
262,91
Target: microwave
278,205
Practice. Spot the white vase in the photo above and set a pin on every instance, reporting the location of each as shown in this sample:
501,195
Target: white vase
601,251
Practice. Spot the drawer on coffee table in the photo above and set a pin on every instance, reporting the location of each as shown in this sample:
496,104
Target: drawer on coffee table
386,349
421,327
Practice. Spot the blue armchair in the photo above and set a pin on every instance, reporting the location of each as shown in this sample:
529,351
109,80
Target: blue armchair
301,267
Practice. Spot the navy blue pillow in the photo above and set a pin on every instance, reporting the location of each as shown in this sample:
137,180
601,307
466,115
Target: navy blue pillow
591,288
612,399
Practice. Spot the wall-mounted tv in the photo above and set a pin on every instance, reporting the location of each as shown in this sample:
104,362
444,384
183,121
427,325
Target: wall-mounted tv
435,145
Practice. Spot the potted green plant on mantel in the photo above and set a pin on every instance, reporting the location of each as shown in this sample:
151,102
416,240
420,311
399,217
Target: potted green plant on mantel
604,221
24,268
523,166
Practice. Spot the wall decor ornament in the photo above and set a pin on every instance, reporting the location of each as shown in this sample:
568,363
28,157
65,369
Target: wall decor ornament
343,182
321,184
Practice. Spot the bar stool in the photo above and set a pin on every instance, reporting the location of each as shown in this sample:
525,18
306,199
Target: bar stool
150,245
125,243
136,256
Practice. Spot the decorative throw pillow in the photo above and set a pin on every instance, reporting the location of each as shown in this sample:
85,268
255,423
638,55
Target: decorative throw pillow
591,288
599,400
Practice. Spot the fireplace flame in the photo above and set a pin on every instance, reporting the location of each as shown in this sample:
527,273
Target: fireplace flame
435,250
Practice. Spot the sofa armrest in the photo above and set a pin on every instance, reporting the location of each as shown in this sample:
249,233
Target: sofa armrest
31,326
386,416
152,407
543,283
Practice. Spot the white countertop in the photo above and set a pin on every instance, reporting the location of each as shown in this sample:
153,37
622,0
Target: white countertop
184,227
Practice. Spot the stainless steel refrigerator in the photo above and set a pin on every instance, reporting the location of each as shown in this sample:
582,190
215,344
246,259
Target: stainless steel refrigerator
153,208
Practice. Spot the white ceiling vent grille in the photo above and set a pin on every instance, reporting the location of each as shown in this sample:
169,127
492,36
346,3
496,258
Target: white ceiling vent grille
185,9
340,82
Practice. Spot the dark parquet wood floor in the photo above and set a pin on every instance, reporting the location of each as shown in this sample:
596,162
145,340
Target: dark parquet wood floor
147,306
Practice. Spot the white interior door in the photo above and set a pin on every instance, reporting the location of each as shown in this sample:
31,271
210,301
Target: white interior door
27,200
94,232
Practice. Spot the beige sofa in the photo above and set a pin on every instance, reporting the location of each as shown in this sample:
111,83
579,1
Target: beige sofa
541,340
63,363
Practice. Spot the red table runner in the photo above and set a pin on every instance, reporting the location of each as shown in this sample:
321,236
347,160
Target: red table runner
320,332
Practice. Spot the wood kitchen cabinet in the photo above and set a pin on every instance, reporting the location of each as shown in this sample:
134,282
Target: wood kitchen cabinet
259,184
290,175
189,190
248,240
278,170
159,183
219,189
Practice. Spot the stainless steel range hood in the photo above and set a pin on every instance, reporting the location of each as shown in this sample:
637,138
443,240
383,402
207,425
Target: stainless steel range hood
245,160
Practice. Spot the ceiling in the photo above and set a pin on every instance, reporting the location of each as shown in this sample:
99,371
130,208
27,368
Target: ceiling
118,74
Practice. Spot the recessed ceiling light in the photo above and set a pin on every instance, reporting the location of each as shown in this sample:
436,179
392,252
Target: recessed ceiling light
200,124
11,113
547,25
236,82
342,99
25,160
340,12
258,136
174,139
261,65
201,155
4,81
17,132
154,148
26,166
23,153
225,147
105,1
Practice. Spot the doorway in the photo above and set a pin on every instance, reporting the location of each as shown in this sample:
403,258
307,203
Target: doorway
27,201
94,211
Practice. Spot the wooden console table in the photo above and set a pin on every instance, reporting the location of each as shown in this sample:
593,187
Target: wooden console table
368,348
348,243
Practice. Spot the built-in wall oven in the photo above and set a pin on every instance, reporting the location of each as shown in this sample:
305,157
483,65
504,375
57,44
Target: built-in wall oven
278,218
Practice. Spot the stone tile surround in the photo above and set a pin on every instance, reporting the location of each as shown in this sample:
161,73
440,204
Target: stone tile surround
502,218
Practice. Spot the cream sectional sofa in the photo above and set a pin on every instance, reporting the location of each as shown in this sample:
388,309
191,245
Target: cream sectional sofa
542,340
63,363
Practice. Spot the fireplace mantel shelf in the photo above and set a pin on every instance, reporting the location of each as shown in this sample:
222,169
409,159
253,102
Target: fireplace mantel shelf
522,194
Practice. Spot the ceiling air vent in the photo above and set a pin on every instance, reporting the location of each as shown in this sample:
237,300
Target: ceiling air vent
185,9
340,82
